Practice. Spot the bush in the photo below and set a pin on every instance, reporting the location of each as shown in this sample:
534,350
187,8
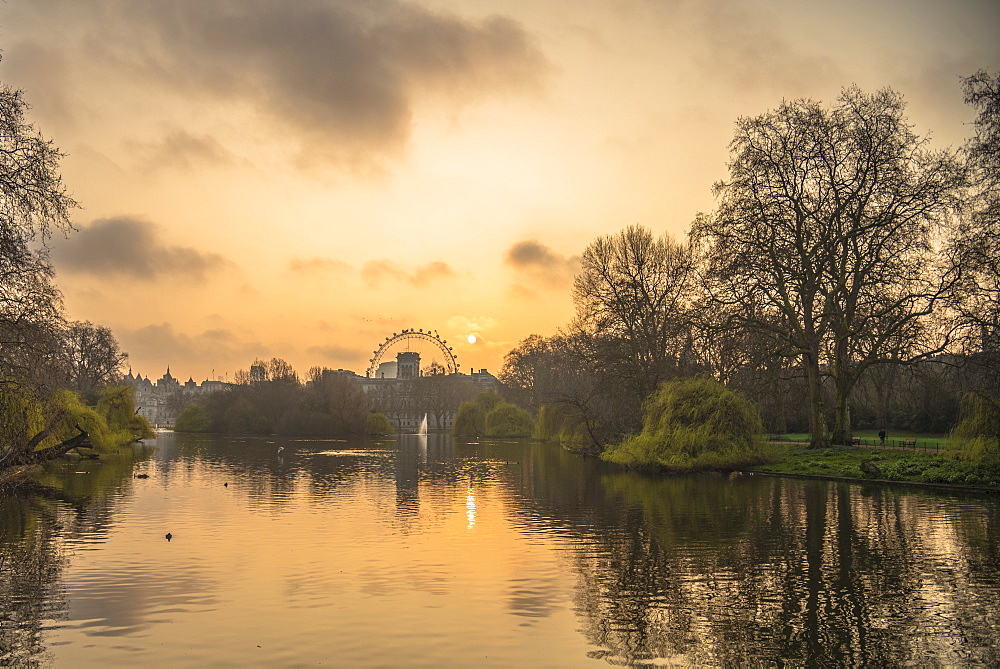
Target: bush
488,401
694,423
193,418
508,420
561,424
975,437
376,424
470,421
21,418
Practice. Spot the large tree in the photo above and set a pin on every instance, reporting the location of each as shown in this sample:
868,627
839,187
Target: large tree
825,236
633,297
33,205
977,250
93,358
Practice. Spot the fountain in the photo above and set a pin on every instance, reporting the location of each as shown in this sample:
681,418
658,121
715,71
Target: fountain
422,430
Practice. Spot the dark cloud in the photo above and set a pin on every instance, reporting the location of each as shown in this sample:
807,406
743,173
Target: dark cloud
334,353
116,247
180,148
376,272
343,76
540,264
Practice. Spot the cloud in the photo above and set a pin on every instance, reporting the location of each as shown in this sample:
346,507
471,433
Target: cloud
344,77
117,247
537,263
336,353
377,272
474,325
182,149
210,349
316,265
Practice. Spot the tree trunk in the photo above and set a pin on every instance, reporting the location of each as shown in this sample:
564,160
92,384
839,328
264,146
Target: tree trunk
842,420
820,438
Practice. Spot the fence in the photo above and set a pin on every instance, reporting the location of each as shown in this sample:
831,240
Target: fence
925,445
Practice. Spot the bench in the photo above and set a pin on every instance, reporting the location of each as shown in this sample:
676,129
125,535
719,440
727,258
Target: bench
909,442
855,441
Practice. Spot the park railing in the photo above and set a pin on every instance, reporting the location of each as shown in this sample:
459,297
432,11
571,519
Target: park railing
913,444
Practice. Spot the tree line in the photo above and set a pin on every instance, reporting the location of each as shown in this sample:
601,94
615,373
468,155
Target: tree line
849,275
269,398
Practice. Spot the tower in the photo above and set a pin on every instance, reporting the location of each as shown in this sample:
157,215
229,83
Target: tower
407,365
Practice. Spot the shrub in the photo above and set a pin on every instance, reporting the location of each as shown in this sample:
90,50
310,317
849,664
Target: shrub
562,424
975,437
508,420
470,421
103,436
377,423
193,418
694,423
488,401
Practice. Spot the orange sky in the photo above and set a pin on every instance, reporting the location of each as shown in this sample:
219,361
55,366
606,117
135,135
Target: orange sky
301,179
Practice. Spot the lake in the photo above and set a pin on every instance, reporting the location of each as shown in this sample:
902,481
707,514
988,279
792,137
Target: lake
432,552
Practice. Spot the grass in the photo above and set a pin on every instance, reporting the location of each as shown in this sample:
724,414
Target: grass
895,465
894,439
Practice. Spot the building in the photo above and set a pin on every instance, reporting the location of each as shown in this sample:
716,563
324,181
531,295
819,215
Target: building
160,402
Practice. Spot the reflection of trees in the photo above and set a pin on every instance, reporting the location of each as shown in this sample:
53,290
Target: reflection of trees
34,522
30,563
705,570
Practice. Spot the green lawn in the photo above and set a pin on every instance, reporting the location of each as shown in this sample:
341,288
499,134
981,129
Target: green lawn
928,442
895,465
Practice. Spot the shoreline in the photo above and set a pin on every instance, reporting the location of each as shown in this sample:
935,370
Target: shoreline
847,479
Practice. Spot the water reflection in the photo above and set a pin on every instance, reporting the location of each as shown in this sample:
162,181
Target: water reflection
701,570
426,551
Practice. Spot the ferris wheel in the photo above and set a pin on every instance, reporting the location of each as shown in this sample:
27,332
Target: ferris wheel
450,358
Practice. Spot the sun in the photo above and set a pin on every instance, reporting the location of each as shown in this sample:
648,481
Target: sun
472,339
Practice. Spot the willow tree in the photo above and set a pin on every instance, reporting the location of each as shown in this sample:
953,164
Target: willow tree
825,237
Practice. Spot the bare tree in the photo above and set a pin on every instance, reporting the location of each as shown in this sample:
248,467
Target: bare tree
825,236
93,358
33,205
633,297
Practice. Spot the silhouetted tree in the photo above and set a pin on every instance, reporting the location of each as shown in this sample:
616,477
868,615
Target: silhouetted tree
824,236
33,205
93,359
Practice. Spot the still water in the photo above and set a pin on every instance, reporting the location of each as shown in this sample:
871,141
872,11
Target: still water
428,552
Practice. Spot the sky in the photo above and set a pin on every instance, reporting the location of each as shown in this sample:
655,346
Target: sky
260,178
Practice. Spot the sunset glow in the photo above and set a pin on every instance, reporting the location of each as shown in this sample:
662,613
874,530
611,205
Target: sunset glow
299,180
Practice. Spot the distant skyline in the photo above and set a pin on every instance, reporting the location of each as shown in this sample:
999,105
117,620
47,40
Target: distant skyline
300,180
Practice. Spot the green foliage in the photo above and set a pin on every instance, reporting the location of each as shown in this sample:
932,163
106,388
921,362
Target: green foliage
103,435
117,405
508,420
561,424
193,418
975,437
488,401
693,423
377,423
21,417
470,421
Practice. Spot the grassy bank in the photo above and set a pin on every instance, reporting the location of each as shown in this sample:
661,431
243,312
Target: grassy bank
915,466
